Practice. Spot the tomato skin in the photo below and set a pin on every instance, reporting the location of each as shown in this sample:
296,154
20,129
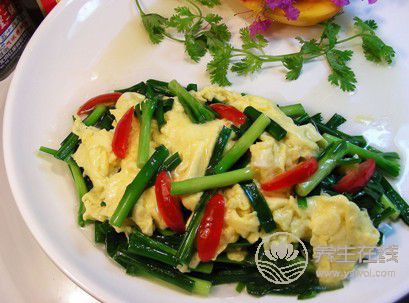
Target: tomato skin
229,113
298,174
105,99
356,178
120,142
168,205
210,228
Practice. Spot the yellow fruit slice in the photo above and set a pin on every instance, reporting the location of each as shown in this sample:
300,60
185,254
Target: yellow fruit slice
311,11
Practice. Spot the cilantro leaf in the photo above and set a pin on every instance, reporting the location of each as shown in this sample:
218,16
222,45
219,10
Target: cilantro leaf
248,65
372,24
217,36
219,66
195,47
257,42
330,32
155,26
208,3
375,49
341,74
182,20
294,64
310,47
213,18
368,26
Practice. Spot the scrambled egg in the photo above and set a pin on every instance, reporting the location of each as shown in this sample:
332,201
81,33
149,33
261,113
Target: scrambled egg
337,222
110,175
326,221
194,142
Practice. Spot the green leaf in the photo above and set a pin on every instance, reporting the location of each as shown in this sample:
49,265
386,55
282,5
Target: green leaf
213,18
368,26
182,20
372,24
310,47
248,65
330,32
341,75
208,3
195,47
294,64
257,42
376,50
155,26
219,66
217,36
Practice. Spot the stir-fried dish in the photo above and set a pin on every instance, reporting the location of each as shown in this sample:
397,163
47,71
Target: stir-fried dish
183,185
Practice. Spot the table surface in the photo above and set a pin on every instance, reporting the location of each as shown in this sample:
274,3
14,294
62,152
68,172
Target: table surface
27,274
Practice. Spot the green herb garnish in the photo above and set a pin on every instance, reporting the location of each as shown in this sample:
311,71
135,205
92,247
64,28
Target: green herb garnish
206,33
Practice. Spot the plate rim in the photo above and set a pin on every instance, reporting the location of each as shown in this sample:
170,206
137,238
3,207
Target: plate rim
47,246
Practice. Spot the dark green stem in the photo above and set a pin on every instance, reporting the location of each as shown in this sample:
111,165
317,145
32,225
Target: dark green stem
135,189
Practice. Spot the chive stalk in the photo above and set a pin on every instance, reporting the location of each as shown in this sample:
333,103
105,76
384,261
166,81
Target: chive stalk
185,250
160,115
48,150
159,87
335,121
243,144
302,202
142,266
324,129
396,199
199,184
219,147
81,187
169,164
274,129
142,245
293,110
135,189
326,165
260,205
391,167
172,162
137,88
188,111
79,182
387,203
148,108
70,143
197,109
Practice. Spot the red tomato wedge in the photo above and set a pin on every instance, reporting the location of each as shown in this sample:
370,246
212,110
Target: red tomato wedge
168,205
229,113
105,99
122,132
298,174
210,228
356,178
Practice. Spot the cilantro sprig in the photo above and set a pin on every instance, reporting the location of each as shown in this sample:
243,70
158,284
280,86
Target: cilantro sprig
200,33
206,33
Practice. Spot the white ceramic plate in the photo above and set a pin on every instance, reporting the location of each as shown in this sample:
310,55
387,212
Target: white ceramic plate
86,47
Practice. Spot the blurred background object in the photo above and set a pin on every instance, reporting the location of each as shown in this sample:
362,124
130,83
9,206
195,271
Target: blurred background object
18,21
